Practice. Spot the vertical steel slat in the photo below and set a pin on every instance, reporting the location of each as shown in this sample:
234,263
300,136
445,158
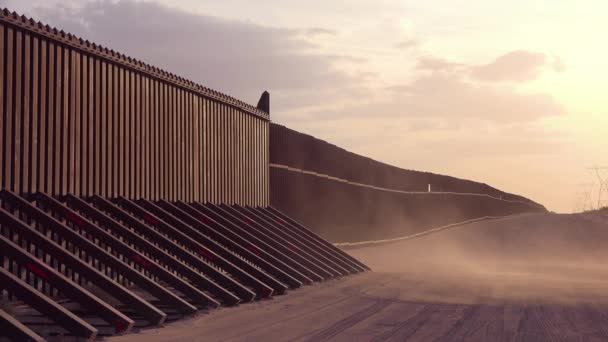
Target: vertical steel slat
250,156
182,145
141,128
188,176
206,188
235,157
88,61
163,141
97,166
17,112
78,128
51,159
213,155
104,130
131,141
195,131
111,135
265,163
65,120
178,145
84,124
229,156
161,160
117,127
120,143
213,162
70,119
256,161
151,139
169,144
236,183
230,179
225,145
185,148
145,137
172,143
219,144
3,86
242,157
218,152
136,125
156,141
25,152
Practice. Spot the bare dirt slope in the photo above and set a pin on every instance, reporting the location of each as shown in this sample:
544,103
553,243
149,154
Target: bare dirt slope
531,278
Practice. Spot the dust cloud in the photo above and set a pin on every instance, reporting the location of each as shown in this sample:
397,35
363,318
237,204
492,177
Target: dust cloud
544,258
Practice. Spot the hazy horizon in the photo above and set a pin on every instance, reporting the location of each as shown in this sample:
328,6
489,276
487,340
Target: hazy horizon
505,93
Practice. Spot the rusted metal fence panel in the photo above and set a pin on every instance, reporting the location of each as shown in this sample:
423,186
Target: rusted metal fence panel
76,118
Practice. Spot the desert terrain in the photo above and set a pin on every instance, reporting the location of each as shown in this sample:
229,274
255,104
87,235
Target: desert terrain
535,277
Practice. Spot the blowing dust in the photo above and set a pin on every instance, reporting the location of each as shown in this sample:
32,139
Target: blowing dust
544,258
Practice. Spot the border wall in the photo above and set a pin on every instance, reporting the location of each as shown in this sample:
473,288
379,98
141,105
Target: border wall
347,197
131,197
78,118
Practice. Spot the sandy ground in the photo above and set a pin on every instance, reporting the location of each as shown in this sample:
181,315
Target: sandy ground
537,277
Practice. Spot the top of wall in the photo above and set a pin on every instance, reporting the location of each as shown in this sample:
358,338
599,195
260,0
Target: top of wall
68,39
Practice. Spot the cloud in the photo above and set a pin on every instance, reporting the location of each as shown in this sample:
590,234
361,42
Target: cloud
516,66
558,64
237,57
243,59
436,64
450,97
319,31
406,44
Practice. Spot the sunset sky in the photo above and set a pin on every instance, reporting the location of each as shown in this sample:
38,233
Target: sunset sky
509,93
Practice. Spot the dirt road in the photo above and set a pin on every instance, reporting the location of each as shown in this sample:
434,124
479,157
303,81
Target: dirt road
530,278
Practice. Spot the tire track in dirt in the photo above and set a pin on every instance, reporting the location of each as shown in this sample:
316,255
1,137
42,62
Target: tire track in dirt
536,324
409,327
349,321
350,292
459,329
